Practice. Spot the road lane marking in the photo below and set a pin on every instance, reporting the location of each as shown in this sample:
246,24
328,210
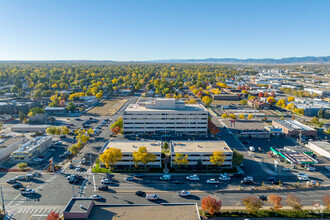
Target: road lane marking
14,199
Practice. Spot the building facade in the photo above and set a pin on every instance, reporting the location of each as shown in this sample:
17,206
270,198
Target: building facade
201,151
165,116
32,149
9,145
293,127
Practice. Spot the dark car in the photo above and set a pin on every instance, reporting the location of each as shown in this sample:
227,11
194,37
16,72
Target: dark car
177,182
71,166
103,188
140,193
271,179
263,198
17,185
71,133
11,181
139,175
276,182
247,182
78,177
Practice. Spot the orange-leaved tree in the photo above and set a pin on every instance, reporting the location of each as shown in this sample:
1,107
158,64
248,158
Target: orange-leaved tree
211,205
275,201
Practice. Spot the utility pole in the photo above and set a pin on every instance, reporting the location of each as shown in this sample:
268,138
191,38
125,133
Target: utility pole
3,202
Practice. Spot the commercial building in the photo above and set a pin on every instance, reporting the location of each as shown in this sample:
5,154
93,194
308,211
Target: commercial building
9,145
56,111
128,147
29,128
320,147
258,104
165,116
311,109
227,97
31,149
86,208
293,127
201,151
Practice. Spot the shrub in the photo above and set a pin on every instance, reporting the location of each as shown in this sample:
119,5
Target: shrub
22,166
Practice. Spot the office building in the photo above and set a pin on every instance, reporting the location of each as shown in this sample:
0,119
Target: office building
293,127
165,116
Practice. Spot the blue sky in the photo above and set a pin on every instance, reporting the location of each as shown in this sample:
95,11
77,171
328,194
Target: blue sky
126,30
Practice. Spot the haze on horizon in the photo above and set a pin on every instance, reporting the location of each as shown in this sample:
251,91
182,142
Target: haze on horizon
155,30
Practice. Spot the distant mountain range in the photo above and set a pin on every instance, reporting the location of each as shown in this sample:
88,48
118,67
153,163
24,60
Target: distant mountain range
288,60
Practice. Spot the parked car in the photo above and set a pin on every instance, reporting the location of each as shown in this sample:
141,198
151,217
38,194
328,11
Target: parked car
37,159
224,177
248,178
286,169
139,175
192,178
152,197
20,178
263,198
183,193
17,185
11,181
212,181
129,178
165,177
103,188
83,161
303,178
71,166
247,182
312,182
78,168
58,143
96,197
63,136
140,193
27,192
271,178
311,168
327,168
51,149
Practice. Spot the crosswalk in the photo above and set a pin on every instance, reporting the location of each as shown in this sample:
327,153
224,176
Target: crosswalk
74,172
19,211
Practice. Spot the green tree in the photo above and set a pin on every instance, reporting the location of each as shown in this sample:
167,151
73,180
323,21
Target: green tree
73,149
217,158
71,106
315,120
237,158
320,113
143,156
14,89
181,159
21,116
165,145
36,110
243,102
22,166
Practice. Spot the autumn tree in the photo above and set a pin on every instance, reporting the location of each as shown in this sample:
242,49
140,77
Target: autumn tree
53,216
181,159
192,101
270,100
115,130
290,99
51,130
217,158
65,130
22,165
326,200
241,116
211,205
243,102
261,94
250,116
111,156
224,115
143,156
252,203
293,202
275,201
232,116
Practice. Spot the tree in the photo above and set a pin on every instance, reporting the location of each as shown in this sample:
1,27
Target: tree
73,149
261,94
275,201
168,96
290,107
315,120
51,130
224,115
34,111
181,159
14,89
22,166
294,202
232,116
326,200
119,123
165,145
301,111
252,203
245,92
217,158
250,116
71,106
115,130
111,156
65,130
53,216
207,100
290,99
99,96
84,138
243,102
211,205
241,116
270,100
320,113
199,94
192,101
143,156
281,103
21,116
237,158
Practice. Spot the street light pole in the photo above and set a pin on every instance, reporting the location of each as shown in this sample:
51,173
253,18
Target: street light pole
3,202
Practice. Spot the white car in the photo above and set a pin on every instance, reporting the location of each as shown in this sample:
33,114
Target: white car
78,168
302,174
51,149
224,177
312,182
106,181
37,159
311,168
303,178
212,181
152,197
248,178
28,192
327,168
192,178
96,197
183,193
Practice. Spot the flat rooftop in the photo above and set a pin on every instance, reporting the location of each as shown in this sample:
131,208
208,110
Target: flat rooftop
322,144
9,141
294,125
78,205
131,146
145,212
32,144
199,146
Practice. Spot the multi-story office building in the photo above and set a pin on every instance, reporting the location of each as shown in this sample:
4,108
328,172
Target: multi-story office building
165,116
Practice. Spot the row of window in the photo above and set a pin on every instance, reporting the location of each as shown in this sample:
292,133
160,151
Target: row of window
167,123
